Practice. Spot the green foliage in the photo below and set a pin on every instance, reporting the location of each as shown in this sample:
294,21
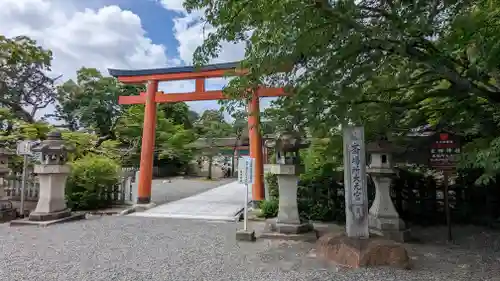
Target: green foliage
272,185
25,88
389,65
269,208
91,101
317,196
91,183
171,139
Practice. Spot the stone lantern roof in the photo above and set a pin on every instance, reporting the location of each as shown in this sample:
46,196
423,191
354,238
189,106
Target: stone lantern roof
383,146
54,149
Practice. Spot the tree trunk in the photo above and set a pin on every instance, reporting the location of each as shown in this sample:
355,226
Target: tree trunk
210,161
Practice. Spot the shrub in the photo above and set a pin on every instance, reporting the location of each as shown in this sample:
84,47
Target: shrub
92,181
318,195
269,208
272,185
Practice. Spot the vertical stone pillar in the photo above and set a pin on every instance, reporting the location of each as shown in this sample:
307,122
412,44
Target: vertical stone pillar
52,173
356,197
383,218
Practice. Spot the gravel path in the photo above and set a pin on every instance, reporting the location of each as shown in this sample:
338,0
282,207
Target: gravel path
130,248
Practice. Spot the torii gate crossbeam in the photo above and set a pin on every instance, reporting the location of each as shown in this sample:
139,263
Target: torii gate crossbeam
152,77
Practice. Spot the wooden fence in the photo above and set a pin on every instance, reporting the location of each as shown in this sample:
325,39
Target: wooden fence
121,194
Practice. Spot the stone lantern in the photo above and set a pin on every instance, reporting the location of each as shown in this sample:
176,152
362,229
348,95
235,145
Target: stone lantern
383,218
287,169
52,173
4,168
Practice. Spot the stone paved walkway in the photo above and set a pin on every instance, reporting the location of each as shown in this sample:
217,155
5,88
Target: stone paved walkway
169,190
222,203
154,249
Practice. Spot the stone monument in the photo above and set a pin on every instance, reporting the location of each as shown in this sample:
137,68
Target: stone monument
287,169
356,197
52,174
383,218
356,248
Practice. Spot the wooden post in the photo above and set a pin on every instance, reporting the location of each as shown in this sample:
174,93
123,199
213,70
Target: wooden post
447,203
148,144
256,147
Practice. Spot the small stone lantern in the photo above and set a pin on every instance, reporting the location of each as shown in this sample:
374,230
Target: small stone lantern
4,161
52,173
383,218
4,168
287,169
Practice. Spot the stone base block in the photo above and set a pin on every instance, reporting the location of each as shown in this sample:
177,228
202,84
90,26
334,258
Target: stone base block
285,231
137,208
286,228
143,207
35,216
27,221
7,215
245,235
311,236
401,236
355,253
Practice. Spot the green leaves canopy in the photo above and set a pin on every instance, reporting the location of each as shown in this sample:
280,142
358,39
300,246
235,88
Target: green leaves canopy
390,65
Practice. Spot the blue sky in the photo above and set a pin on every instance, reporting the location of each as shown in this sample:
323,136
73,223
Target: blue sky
127,34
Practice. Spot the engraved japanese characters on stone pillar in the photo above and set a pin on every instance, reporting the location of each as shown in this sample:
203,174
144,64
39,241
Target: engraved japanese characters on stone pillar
52,173
383,218
355,183
287,169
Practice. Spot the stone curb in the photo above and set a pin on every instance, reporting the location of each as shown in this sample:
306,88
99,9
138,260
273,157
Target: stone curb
137,208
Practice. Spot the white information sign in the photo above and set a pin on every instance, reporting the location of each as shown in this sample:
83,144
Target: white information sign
246,170
24,148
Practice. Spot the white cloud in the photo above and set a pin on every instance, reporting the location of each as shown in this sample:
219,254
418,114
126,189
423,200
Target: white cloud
101,38
190,31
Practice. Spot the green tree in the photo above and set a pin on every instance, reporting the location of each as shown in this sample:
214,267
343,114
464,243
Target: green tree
210,127
390,65
171,139
25,88
91,102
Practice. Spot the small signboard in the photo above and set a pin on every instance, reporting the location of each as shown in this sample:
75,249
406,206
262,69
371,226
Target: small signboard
444,151
24,148
245,170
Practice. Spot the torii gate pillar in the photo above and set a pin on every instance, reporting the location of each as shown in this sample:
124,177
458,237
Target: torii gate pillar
256,147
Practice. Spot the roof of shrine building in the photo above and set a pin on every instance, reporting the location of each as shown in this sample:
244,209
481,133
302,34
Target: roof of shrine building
171,70
219,142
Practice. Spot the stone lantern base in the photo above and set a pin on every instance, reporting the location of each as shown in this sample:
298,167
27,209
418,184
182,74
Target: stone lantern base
51,207
288,224
383,219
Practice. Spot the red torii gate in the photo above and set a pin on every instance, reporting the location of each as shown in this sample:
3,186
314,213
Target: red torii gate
153,76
